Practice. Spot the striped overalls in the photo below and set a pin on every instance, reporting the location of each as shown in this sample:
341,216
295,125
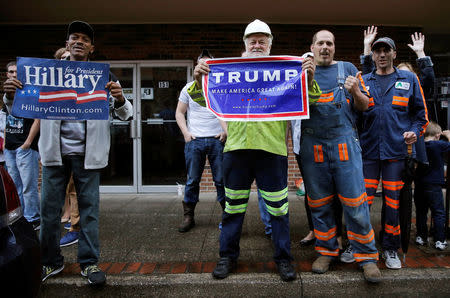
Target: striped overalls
240,168
332,165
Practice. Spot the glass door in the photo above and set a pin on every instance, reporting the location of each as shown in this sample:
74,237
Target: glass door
161,150
147,151
121,175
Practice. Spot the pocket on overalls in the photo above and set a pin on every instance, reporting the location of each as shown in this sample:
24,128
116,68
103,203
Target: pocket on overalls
343,152
318,153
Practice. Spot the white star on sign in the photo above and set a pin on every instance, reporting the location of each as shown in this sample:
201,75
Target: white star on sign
23,92
34,91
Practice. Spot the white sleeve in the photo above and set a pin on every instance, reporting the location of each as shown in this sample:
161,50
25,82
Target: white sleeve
184,96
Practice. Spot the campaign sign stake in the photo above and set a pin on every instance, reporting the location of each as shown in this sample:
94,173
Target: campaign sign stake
267,88
61,89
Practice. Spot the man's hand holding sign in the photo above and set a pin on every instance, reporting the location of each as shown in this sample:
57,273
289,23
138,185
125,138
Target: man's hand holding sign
256,88
60,89
10,86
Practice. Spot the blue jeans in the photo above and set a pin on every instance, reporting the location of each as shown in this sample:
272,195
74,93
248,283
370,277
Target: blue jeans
265,216
54,184
430,197
195,153
23,167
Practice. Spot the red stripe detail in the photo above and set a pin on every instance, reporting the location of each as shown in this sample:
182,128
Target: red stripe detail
57,92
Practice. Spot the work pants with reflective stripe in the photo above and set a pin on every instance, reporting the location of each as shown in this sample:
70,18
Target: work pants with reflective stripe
241,167
333,167
391,173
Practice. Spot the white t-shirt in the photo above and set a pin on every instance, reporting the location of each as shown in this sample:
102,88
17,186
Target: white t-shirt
296,126
200,121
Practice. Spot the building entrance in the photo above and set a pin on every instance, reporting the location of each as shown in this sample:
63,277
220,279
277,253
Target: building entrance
147,151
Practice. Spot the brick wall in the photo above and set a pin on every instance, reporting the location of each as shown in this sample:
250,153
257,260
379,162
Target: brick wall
185,41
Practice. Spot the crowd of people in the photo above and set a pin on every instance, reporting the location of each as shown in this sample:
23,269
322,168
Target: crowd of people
363,126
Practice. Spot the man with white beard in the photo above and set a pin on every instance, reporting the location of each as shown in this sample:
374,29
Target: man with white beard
255,150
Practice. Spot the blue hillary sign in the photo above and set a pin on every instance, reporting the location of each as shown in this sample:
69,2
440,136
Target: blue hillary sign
257,89
61,89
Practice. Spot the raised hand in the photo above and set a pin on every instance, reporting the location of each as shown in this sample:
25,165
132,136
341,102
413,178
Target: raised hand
418,44
369,37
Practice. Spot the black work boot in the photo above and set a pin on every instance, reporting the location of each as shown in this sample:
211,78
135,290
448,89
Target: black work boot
286,270
224,267
188,221
222,204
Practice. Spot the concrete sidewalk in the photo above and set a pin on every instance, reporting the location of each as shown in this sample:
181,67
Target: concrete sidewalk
144,255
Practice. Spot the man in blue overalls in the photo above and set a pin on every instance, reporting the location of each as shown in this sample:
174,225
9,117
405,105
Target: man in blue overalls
396,117
332,163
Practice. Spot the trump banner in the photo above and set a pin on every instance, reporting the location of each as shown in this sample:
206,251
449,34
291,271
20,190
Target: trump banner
268,88
61,90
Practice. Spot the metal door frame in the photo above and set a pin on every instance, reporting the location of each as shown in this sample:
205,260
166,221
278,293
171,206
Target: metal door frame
160,63
136,124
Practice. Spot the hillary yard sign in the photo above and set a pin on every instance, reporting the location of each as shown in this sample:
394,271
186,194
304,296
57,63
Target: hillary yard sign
257,89
61,89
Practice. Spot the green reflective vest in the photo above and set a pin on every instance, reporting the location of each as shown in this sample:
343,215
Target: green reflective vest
269,136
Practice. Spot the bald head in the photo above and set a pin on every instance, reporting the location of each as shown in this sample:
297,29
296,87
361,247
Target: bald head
323,48
314,39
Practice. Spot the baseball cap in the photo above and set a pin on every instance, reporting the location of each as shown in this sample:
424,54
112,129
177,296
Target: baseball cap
384,41
81,27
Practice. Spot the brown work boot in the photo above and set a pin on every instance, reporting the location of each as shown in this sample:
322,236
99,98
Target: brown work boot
371,272
321,264
188,220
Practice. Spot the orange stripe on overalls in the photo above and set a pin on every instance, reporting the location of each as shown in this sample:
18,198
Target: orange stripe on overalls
326,97
319,202
393,185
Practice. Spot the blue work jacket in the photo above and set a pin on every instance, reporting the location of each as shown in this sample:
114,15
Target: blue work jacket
401,108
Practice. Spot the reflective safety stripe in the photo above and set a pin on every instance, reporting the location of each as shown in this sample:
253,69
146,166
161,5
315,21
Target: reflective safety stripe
364,257
400,101
353,202
363,239
364,86
371,102
392,203
392,230
283,210
325,236
318,153
371,183
348,101
233,209
237,194
326,97
393,185
313,203
370,199
343,153
327,252
274,196
426,109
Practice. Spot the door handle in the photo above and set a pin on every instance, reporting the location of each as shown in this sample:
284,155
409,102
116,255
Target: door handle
133,129
155,121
